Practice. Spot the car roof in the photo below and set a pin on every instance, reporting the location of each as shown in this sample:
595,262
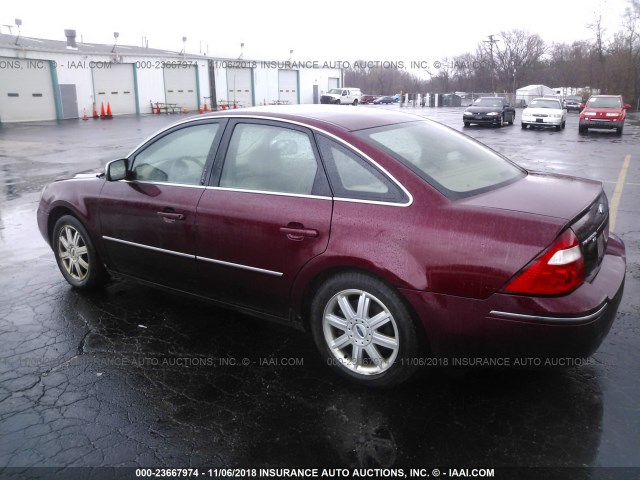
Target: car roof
343,116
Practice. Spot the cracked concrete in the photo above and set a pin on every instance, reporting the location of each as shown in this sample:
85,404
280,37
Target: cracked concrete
130,376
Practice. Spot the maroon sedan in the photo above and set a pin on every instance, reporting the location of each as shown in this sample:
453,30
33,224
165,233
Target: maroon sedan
387,236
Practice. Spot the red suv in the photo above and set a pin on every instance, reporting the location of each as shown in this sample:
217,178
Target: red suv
603,111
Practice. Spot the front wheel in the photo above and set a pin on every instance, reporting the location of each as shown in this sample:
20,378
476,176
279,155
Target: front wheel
76,255
363,330
523,125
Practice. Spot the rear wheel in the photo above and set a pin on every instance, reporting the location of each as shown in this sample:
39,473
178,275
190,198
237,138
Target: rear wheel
76,255
355,102
363,330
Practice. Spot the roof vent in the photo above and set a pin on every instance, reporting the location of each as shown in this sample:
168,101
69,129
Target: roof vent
71,39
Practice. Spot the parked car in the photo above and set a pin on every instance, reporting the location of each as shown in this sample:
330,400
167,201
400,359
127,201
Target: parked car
367,99
385,99
544,112
384,234
574,103
603,111
344,96
489,111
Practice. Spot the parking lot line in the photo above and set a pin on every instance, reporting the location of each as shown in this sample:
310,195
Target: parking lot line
617,193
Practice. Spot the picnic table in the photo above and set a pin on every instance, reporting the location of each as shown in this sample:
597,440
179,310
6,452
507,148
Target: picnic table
167,107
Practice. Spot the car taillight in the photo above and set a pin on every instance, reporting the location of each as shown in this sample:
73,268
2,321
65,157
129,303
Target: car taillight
557,271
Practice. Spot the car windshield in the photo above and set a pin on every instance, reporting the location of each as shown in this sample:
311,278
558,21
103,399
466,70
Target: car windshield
336,90
574,99
546,104
489,102
455,164
604,102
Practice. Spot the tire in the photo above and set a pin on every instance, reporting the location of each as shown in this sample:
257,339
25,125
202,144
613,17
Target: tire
466,124
582,129
523,125
564,124
355,102
76,255
341,322
558,127
338,102
500,123
513,119
619,130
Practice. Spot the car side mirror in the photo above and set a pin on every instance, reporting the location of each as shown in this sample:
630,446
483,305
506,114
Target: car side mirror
117,170
626,106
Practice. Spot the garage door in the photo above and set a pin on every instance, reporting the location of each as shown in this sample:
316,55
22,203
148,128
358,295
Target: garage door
180,87
26,90
113,84
239,86
288,86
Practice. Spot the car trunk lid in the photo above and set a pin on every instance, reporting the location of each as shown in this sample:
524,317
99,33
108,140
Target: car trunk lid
582,204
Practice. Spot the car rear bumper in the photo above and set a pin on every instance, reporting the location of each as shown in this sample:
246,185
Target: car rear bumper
502,325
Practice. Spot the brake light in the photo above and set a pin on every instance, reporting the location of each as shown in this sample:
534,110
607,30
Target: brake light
557,271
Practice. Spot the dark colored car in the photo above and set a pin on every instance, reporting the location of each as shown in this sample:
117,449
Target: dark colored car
384,100
603,111
386,235
367,99
489,111
574,103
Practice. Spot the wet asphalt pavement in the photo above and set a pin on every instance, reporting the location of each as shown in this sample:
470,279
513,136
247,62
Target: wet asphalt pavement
131,376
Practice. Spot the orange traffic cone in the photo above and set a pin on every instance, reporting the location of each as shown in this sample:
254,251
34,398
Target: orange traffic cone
95,112
206,109
200,110
109,110
102,115
84,117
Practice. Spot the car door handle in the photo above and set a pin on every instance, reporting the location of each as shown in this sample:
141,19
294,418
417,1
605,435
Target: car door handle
171,217
299,233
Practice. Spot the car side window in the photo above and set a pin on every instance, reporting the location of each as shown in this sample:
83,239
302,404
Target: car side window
178,157
269,158
353,177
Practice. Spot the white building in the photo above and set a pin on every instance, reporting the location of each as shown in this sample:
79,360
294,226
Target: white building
524,95
54,80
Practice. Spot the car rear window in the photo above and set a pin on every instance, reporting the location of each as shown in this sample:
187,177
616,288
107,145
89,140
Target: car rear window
453,163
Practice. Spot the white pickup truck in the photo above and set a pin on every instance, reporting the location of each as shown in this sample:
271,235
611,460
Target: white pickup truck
344,96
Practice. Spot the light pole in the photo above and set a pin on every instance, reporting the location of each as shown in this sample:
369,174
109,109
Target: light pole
491,42
514,86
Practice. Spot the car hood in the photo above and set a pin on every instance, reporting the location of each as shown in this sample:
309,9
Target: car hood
550,195
478,109
537,111
603,110
84,175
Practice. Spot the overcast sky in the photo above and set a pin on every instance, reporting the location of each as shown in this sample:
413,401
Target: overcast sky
338,31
